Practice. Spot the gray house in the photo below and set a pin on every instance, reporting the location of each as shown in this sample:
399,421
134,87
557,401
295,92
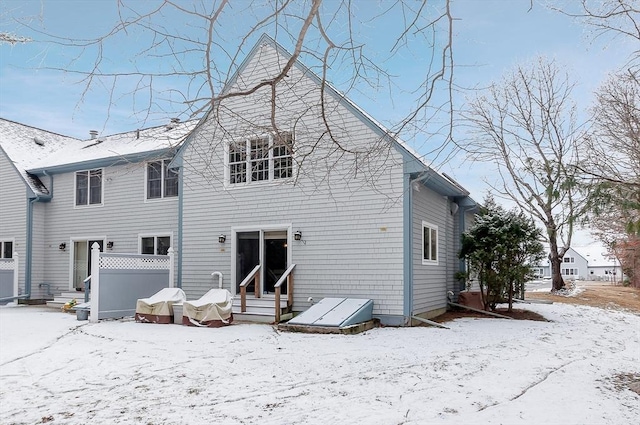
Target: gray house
326,189
325,203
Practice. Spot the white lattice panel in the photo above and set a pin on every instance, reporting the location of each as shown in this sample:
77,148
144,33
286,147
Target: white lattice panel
134,263
7,264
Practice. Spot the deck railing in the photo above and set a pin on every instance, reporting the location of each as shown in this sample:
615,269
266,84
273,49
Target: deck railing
287,276
254,275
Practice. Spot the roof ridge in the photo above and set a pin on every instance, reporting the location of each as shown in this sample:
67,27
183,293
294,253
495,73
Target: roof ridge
38,128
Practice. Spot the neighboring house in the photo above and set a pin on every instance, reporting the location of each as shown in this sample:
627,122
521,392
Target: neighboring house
371,221
58,195
388,229
601,267
585,263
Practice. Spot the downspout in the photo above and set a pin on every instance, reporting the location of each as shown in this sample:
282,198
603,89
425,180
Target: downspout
29,246
462,222
408,249
180,210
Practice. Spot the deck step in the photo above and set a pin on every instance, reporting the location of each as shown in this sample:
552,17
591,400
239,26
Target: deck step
60,300
260,310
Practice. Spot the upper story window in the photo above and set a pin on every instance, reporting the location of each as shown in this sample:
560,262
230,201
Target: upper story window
6,249
162,181
267,158
569,259
89,187
429,243
155,245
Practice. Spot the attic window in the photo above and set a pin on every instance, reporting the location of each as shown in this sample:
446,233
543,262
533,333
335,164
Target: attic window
268,158
38,141
97,142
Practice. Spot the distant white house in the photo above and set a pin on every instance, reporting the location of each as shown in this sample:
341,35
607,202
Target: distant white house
589,262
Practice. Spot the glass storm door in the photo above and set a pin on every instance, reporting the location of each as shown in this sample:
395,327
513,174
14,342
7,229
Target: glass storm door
268,248
247,257
275,260
82,262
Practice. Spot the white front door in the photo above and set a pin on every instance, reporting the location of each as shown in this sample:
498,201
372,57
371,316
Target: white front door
82,261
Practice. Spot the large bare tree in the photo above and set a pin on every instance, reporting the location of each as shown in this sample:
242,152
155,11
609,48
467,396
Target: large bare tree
526,126
185,52
618,19
610,169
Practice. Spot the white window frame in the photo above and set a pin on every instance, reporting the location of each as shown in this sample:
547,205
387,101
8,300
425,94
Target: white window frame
155,237
75,188
431,227
165,166
271,160
13,247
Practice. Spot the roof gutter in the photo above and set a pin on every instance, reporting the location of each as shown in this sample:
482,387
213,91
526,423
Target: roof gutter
28,265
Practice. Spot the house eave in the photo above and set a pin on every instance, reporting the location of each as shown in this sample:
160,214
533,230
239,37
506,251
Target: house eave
104,162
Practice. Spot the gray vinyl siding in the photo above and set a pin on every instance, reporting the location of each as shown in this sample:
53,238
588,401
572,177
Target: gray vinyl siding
430,280
13,211
122,217
351,221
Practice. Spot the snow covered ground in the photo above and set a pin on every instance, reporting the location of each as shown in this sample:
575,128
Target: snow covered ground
573,370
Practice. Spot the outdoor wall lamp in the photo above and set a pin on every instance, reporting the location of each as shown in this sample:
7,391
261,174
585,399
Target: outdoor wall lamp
297,235
110,245
62,246
222,238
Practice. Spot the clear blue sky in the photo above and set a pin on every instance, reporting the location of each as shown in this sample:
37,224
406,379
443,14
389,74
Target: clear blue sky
491,36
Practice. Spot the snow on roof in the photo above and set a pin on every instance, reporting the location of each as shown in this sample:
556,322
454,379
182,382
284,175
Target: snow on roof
30,148
26,146
596,255
120,145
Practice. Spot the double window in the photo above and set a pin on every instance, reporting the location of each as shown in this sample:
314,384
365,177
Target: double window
89,187
268,158
429,243
6,249
162,181
155,245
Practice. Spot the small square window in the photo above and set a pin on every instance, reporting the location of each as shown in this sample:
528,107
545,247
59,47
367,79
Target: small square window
155,245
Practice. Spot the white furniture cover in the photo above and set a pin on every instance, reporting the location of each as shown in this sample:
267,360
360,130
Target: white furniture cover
161,303
213,306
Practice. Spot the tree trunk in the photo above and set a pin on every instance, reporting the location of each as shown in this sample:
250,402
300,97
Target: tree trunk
556,263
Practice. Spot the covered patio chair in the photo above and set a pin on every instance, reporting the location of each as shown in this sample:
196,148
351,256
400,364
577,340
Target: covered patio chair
212,310
159,307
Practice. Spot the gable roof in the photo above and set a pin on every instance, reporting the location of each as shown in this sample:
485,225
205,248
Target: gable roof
25,146
596,255
433,179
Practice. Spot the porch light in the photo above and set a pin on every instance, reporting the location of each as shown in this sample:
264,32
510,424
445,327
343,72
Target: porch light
110,245
297,235
62,246
222,238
